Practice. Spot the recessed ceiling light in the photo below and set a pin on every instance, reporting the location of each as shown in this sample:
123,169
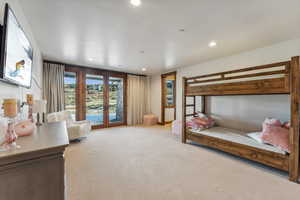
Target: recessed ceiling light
136,2
144,69
91,59
212,44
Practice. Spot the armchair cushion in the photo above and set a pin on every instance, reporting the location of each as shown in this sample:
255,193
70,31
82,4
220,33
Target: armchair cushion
76,129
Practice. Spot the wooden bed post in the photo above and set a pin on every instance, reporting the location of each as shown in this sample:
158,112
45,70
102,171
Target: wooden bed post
203,104
194,103
294,130
183,137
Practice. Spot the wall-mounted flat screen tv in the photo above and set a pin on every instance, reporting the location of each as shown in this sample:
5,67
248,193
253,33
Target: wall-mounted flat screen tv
16,52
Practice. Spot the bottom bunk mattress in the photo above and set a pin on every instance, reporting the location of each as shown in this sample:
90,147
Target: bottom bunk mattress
235,136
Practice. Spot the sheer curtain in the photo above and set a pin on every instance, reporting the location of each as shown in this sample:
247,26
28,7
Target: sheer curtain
53,86
138,89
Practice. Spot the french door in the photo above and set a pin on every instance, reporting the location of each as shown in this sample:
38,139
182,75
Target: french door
94,108
100,96
116,99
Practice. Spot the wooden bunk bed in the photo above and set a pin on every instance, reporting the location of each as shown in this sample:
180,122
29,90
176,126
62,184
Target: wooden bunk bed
271,79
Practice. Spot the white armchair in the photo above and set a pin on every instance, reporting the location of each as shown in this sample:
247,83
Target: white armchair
76,129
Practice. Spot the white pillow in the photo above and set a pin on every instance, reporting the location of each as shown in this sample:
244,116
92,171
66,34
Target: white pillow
256,137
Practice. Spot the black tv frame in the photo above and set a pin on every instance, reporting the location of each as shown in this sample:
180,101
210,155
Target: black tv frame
3,35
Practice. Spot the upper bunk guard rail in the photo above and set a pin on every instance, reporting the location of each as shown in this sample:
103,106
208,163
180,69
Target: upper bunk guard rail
265,79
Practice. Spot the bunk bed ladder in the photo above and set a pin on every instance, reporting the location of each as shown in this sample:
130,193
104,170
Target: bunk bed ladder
194,106
185,106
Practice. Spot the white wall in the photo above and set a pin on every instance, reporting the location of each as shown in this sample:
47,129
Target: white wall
156,95
7,90
241,112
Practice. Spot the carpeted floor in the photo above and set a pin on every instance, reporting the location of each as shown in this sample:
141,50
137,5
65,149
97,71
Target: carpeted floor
138,163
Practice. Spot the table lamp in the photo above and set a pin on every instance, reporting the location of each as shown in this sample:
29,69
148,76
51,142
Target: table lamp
29,101
10,112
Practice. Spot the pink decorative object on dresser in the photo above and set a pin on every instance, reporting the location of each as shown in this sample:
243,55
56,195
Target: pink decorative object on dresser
24,128
276,134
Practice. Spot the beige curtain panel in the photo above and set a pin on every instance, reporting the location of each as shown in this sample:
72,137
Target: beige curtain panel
53,86
138,99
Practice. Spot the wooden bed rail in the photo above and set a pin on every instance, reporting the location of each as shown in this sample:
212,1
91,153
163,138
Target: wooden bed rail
222,75
265,79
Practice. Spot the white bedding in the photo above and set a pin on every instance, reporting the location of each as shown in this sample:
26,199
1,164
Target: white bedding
237,137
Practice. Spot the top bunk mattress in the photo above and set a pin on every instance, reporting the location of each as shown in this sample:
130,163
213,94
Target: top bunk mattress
235,136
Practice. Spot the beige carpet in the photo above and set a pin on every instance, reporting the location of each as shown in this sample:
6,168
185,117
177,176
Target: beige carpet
137,163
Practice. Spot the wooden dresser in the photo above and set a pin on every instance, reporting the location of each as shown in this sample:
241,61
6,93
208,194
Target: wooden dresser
36,170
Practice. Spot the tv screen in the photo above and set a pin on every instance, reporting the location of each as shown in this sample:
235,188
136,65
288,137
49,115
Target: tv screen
16,52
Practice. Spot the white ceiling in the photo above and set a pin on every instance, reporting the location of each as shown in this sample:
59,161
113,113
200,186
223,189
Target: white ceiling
113,32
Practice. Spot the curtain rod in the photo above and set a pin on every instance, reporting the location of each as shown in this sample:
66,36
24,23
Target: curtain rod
74,65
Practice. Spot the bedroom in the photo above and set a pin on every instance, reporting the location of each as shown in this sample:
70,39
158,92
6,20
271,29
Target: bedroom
107,63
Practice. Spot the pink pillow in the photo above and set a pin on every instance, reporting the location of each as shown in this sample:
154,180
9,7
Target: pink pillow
201,122
286,125
189,123
272,121
275,135
192,124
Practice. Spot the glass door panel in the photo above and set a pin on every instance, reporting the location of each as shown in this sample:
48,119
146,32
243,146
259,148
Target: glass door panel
168,105
95,99
70,81
169,101
116,100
